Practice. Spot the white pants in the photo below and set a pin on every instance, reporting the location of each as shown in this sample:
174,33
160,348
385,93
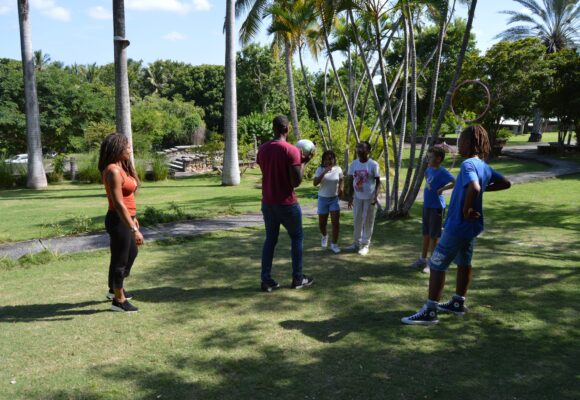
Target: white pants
363,215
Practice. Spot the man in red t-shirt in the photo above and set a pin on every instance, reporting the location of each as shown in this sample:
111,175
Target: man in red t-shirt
282,168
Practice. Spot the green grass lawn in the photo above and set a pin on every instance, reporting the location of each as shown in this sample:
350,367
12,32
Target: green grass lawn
65,208
205,331
72,208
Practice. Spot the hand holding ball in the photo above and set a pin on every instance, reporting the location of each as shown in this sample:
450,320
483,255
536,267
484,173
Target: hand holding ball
307,149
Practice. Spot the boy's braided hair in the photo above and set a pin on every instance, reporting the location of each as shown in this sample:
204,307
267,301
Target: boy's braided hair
479,140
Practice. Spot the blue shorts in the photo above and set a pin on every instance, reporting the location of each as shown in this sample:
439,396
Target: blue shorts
452,249
326,205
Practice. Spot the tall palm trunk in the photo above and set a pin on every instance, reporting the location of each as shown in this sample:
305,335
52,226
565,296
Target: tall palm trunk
122,98
231,168
291,93
312,102
36,174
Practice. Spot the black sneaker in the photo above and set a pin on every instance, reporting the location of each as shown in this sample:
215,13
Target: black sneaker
111,295
424,316
123,307
268,287
299,284
454,306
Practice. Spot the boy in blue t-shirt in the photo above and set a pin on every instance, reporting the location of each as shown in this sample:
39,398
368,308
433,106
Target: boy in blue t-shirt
464,223
437,180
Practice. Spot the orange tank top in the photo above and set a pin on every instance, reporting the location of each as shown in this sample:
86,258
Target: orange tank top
128,188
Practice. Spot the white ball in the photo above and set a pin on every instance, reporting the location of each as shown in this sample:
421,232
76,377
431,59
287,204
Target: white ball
306,147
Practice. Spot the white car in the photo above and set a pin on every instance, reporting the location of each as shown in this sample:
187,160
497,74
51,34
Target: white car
18,159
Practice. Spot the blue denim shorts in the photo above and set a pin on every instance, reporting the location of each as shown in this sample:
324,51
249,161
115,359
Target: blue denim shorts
452,249
326,205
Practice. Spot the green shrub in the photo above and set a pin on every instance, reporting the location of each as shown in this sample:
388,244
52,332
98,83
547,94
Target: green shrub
141,169
160,169
53,177
257,124
504,134
88,169
7,179
154,216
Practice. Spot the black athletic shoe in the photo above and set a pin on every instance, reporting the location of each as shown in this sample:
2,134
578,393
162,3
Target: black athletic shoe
299,284
123,307
111,295
454,306
424,316
268,287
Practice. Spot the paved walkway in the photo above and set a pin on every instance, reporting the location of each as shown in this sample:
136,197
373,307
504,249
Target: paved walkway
100,240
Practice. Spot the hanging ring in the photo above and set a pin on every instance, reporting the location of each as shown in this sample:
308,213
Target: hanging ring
487,94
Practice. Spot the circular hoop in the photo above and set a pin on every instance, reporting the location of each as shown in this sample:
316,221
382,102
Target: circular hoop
487,93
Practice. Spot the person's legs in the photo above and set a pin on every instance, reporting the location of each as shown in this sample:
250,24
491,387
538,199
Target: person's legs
335,219
369,211
357,215
464,274
272,225
322,222
443,255
426,246
291,219
121,252
456,304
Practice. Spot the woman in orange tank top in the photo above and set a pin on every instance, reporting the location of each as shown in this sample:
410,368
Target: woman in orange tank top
121,182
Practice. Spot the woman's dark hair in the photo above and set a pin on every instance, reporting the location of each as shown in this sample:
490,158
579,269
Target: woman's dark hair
478,140
327,153
112,149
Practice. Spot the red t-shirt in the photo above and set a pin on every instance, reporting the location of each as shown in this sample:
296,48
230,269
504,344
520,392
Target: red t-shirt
275,159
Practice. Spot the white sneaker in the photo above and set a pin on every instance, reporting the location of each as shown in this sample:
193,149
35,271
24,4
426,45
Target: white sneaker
334,247
364,251
352,248
324,241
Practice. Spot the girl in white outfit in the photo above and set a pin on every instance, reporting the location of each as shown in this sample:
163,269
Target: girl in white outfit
331,180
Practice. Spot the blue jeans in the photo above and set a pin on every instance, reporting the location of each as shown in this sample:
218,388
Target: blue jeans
291,218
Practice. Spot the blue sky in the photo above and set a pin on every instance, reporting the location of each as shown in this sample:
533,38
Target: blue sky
183,30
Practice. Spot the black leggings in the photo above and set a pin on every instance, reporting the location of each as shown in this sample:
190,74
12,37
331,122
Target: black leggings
123,250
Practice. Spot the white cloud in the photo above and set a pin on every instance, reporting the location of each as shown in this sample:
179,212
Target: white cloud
51,9
174,36
100,13
525,11
201,5
158,5
5,6
179,6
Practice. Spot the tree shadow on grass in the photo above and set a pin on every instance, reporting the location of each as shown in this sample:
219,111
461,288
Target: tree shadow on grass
47,312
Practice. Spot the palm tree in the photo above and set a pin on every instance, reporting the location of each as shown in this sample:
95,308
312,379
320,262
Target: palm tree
231,168
295,27
122,97
257,10
41,60
555,22
36,174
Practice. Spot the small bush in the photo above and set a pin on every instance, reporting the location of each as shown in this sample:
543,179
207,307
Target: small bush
141,169
53,177
81,224
154,216
88,170
7,179
504,134
160,169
